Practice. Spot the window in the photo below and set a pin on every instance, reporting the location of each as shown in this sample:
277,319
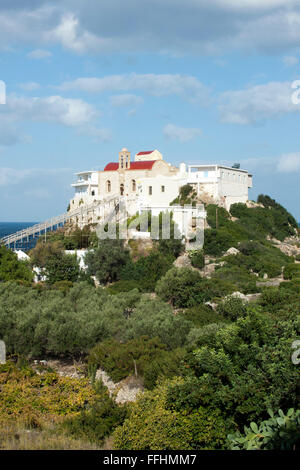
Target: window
93,193
108,186
122,163
133,185
122,189
162,189
150,190
205,174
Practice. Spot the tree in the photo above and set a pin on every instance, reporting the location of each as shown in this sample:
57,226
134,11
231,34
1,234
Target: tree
43,251
154,318
106,261
62,268
11,268
147,270
244,368
184,287
197,259
281,432
152,424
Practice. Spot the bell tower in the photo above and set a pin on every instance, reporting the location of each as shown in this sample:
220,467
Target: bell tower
124,159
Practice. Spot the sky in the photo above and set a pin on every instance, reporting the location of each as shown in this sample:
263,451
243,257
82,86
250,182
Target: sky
202,82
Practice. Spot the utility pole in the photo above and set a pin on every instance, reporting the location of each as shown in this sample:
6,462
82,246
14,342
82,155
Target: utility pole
217,219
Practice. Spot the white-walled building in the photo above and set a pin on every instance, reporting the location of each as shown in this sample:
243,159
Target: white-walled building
225,185
149,182
161,190
148,179
86,187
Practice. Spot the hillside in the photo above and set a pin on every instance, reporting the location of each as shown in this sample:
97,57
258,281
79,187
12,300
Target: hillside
207,336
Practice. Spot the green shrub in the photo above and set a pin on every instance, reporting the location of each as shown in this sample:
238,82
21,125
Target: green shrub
123,286
201,315
279,432
187,195
154,318
184,287
232,308
106,261
98,420
43,251
153,425
216,216
146,356
197,259
243,368
259,257
291,271
147,270
237,279
11,269
62,268
63,286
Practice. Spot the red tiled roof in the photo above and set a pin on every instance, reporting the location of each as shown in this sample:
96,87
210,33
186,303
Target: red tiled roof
145,153
143,165
112,166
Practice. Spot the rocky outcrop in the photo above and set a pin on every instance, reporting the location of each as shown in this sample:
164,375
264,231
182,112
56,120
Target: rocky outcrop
183,261
232,251
124,391
252,204
290,246
244,297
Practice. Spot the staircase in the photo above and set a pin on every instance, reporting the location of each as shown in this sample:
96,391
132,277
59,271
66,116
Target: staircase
24,237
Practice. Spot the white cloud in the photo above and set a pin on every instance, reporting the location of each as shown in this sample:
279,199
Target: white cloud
97,134
289,61
29,86
157,85
182,134
74,113
10,176
9,135
254,4
39,54
196,25
71,36
257,103
13,176
66,111
289,163
38,193
126,100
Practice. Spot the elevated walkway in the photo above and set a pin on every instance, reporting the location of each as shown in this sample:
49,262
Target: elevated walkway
28,236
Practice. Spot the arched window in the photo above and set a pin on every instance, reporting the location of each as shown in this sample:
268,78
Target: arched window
108,186
122,189
133,185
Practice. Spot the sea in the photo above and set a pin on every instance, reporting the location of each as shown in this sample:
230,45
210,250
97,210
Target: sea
7,228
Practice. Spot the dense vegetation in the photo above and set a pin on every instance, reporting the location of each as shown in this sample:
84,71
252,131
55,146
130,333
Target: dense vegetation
58,412
216,369
255,223
13,269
